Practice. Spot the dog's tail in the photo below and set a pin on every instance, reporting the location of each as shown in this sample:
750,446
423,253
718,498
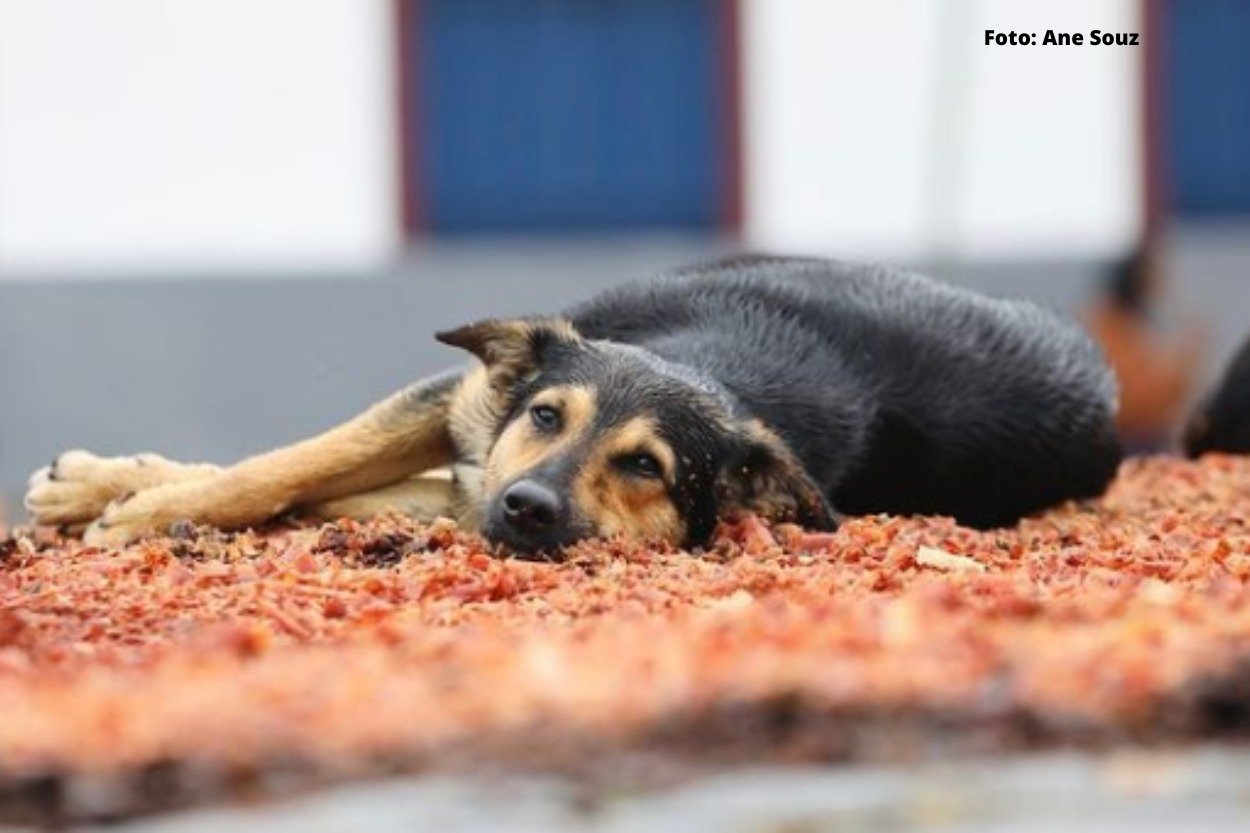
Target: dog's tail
1222,421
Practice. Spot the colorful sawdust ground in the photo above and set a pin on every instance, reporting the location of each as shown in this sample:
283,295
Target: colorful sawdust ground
348,647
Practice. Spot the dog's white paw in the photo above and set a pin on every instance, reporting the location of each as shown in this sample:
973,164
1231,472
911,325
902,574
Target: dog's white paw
151,511
77,487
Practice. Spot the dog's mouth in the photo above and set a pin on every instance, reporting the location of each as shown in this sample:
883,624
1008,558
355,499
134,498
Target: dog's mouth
549,548
546,544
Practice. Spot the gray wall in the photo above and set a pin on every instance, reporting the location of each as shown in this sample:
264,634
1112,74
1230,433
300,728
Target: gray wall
217,368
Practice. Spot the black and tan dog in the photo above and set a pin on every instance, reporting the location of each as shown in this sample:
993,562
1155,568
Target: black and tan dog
1222,421
791,388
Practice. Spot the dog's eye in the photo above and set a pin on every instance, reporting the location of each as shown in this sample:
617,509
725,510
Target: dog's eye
545,418
640,465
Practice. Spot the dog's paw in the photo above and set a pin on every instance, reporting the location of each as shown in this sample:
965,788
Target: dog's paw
78,485
130,517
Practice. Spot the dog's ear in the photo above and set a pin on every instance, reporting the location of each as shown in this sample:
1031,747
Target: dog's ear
763,476
515,345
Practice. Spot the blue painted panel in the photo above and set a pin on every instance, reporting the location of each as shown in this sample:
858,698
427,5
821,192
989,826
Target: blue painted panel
1208,99
567,115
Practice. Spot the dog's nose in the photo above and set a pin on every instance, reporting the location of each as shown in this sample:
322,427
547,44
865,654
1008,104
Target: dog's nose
531,507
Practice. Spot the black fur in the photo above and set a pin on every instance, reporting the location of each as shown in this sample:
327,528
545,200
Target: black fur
897,393
1222,421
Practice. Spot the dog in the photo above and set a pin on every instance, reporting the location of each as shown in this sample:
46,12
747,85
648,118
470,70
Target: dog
796,389
1222,421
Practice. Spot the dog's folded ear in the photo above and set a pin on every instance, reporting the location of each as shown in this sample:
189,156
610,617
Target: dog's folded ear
515,344
764,477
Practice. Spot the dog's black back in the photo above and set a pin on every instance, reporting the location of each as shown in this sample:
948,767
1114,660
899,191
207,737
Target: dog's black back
1222,421
898,393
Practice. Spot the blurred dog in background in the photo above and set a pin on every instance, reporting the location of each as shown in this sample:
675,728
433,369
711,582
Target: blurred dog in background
1222,421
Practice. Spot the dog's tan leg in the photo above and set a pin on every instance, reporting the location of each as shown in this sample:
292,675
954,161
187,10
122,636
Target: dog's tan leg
403,435
76,488
425,498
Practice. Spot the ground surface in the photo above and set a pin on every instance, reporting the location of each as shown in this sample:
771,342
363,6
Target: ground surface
201,666
1200,791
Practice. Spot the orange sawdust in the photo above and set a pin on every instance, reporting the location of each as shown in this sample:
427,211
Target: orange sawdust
353,643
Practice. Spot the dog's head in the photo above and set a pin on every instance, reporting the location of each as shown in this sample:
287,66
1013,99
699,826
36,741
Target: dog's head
581,438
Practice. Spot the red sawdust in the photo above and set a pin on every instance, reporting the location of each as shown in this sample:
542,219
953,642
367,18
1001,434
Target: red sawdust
348,644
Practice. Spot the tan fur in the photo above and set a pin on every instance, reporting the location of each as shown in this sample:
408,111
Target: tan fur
619,503
475,410
469,508
504,344
78,487
424,498
782,491
521,447
404,435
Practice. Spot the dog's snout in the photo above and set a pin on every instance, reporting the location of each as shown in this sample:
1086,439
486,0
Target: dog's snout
531,507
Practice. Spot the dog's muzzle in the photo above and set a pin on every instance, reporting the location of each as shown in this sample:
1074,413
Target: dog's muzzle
529,516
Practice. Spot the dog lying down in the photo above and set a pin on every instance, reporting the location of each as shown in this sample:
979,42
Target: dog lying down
792,388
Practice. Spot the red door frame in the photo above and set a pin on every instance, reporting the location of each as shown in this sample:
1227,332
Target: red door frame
729,24
404,17
1156,190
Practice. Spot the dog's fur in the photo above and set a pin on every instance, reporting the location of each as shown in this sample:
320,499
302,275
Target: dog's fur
787,387
1222,421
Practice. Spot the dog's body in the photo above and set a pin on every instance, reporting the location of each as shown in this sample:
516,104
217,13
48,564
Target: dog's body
1222,421
783,386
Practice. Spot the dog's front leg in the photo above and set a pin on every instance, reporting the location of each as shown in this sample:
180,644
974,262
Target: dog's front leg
403,435
77,487
423,498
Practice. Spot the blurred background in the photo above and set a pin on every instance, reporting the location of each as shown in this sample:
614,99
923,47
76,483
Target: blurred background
225,225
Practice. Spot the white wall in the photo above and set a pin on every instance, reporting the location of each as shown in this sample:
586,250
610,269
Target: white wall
158,137
152,136
835,123
889,129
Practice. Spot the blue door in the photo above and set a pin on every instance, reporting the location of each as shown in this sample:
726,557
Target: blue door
567,115
1208,98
